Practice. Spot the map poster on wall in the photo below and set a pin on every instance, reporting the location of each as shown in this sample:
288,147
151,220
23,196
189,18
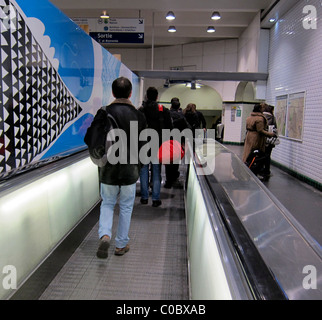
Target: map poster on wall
295,116
280,114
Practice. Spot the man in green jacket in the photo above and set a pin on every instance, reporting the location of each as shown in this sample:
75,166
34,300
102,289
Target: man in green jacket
119,179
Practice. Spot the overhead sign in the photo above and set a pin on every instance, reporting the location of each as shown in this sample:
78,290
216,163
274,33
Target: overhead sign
110,37
123,25
115,30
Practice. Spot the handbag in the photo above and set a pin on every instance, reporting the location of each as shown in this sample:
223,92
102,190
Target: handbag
273,141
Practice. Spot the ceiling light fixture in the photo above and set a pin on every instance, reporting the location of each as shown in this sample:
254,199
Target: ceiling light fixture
215,15
172,29
105,15
193,85
170,16
211,29
272,20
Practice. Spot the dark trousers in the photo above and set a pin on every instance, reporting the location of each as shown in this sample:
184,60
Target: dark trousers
172,173
267,162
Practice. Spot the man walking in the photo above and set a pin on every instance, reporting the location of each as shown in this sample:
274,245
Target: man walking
179,121
119,180
158,118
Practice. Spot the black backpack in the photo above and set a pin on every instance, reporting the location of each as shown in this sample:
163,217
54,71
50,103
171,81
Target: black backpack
96,137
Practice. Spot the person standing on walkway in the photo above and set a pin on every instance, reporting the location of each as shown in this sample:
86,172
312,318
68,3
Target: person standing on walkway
179,122
158,118
119,180
202,119
192,117
271,121
256,125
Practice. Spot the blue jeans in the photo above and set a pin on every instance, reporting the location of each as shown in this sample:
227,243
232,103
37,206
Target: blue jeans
109,194
156,181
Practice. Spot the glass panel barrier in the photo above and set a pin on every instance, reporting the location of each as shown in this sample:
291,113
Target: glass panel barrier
288,251
37,210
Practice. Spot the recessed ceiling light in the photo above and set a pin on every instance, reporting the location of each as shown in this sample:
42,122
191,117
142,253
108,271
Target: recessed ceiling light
215,15
172,29
211,29
105,15
272,20
170,16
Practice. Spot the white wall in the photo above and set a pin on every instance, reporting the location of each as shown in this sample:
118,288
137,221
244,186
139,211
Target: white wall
253,47
205,56
248,47
205,97
235,121
294,66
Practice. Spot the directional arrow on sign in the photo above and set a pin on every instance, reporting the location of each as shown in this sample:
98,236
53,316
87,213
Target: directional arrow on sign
117,37
140,21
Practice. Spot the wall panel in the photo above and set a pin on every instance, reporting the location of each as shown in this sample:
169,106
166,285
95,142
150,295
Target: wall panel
54,77
295,66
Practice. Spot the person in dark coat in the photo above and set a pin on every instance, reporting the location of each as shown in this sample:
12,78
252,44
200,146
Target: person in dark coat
271,121
179,122
202,120
192,117
119,180
158,118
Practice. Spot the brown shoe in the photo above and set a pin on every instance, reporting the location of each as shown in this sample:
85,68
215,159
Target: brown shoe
103,247
121,251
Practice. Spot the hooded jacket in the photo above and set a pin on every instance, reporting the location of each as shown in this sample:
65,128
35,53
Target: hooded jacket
124,174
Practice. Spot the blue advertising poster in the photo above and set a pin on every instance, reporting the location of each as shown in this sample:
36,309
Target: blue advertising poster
54,79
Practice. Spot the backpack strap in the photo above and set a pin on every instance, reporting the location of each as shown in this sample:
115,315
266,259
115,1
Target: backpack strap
109,115
161,115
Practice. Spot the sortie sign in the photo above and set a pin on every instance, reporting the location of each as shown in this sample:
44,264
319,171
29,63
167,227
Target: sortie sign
117,30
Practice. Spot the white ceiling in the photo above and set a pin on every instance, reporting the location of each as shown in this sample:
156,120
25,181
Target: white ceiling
192,17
